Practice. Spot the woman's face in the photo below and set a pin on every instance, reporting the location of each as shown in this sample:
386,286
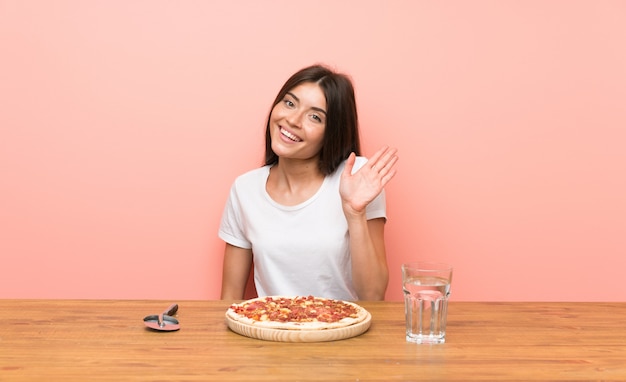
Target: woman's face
298,121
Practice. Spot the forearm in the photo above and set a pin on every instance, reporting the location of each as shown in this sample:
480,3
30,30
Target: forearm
370,273
358,189
237,265
231,291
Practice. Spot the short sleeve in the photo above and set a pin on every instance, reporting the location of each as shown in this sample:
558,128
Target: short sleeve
377,208
231,226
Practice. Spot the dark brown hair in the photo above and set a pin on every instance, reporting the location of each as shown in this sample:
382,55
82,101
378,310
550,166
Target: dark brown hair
341,134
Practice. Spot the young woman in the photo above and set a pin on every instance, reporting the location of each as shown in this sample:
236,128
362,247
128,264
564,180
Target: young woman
311,220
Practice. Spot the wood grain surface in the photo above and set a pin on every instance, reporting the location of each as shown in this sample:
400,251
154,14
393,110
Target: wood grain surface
101,340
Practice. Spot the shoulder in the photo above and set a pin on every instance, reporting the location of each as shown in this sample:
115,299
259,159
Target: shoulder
252,177
360,161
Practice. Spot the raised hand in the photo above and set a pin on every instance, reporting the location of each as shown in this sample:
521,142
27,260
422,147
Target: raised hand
359,189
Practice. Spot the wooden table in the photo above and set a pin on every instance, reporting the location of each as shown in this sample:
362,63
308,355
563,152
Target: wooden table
90,340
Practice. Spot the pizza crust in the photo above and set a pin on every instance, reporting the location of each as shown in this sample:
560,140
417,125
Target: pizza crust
361,315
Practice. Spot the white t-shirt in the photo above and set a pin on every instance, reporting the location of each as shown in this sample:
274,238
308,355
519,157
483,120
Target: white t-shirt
298,250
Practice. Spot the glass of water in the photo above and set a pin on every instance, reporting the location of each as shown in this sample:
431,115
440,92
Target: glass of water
426,287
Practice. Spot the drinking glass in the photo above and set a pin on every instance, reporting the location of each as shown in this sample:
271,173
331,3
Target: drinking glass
426,287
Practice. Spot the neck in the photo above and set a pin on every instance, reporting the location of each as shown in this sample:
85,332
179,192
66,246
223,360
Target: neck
297,171
292,182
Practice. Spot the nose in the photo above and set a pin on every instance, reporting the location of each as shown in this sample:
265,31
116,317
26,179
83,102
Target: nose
295,118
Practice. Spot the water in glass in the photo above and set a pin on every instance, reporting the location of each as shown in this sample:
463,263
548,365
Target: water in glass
426,304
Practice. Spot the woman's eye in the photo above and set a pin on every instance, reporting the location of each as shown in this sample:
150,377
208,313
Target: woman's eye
288,103
316,118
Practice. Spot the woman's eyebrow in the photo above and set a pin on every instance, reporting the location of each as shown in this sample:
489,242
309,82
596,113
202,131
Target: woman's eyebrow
294,96
314,108
319,109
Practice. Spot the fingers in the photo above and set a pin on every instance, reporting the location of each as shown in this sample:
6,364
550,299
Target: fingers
389,175
383,162
349,164
377,155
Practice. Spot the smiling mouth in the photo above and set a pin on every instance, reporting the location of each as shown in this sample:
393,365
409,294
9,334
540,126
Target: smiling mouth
291,137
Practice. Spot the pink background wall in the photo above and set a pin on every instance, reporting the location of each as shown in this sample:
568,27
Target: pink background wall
123,124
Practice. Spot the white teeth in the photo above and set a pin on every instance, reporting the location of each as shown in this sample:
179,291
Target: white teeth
289,135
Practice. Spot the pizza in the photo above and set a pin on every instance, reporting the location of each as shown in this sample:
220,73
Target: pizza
297,313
